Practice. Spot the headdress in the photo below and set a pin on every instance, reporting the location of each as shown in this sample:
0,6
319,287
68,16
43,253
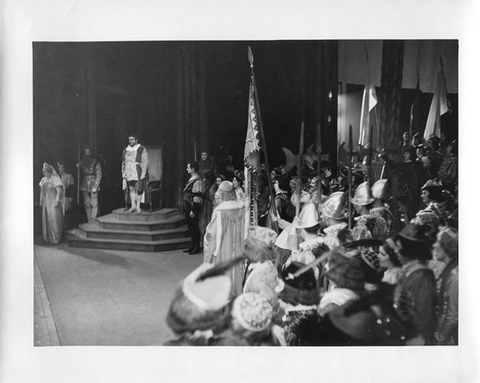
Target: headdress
345,269
382,318
201,302
260,244
334,206
308,217
414,243
226,192
381,189
363,195
252,311
448,241
301,289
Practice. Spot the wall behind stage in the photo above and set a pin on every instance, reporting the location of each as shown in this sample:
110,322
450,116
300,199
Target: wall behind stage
177,94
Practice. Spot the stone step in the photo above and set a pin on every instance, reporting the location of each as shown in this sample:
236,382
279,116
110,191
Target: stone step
75,238
94,230
109,222
145,215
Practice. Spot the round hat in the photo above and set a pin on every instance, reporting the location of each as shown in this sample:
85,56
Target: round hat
302,289
371,320
363,195
308,216
252,311
304,198
334,206
260,244
200,304
345,270
226,192
381,189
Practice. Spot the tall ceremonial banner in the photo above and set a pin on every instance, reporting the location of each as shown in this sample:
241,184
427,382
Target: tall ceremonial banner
438,107
369,101
251,159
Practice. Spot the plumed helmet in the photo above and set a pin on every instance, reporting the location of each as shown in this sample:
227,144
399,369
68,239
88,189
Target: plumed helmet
381,189
308,216
334,206
260,244
363,195
252,311
299,290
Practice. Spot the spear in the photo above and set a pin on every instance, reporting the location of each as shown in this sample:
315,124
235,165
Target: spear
350,143
298,187
78,174
262,134
370,155
319,151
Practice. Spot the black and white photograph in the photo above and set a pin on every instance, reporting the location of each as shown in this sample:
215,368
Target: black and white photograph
286,200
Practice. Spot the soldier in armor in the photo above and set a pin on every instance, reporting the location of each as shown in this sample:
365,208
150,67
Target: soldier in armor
91,171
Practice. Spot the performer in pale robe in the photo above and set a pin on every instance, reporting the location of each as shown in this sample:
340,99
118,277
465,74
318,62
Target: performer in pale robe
224,235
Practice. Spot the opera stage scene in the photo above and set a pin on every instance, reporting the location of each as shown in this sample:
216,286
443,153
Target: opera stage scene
246,193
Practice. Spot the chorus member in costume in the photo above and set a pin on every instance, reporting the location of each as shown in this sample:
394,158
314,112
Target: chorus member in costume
237,185
225,233
68,182
52,201
206,212
389,261
91,171
134,171
445,250
260,254
414,249
251,322
448,172
192,205
410,178
367,225
206,164
299,297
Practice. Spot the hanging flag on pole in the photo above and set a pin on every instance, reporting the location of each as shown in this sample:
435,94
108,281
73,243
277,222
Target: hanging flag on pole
251,154
369,101
438,107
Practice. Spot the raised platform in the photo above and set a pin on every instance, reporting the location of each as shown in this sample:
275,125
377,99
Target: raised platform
159,230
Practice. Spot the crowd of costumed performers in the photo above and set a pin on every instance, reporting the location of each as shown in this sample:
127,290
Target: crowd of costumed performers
338,256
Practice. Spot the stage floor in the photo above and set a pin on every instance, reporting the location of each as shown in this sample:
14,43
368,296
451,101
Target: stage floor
104,297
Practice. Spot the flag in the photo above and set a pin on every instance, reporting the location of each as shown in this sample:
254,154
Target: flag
438,107
415,111
369,100
251,155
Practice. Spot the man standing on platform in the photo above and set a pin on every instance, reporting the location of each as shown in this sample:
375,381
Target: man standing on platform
91,171
134,171
192,201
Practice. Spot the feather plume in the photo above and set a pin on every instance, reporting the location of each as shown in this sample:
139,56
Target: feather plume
219,269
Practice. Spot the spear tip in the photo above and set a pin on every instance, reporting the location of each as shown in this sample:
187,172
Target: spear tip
250,56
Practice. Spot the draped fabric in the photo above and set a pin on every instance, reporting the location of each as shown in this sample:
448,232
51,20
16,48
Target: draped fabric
224,237
52,201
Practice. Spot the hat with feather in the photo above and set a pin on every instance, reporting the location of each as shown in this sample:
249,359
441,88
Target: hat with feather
201,302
